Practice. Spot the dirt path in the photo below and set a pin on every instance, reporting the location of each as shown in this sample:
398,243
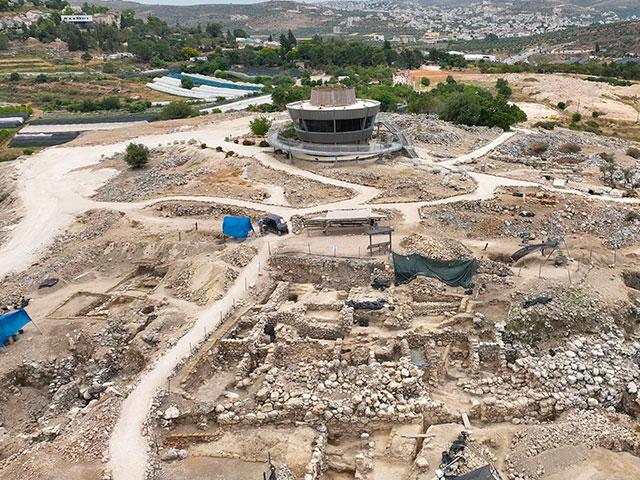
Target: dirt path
128,446
53,188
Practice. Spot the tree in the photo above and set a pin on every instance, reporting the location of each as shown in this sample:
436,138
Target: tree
260,126
186,82
178,109
284,43
14,77
291,39
189,52
562,105
240,33
137,155
503,88
108,68
127,18
214,29
425,82
576,117
41,78
4,41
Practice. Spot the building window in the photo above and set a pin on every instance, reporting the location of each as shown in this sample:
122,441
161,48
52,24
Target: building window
321,126
349,125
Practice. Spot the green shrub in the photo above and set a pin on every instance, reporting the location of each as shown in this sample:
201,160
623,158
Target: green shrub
569,148
503,88
137,155
108,68
633,152
14,77
186,82
40,78
138,106
264,144
216,110
548,125
425,82
562,105
576,117
178,109
596,114
260,126
5,134
28,151
230,153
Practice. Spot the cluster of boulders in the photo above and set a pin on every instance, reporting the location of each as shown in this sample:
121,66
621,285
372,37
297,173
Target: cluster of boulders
325,391
587,372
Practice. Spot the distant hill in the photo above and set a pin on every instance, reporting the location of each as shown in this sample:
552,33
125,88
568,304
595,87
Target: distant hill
266,17
614,40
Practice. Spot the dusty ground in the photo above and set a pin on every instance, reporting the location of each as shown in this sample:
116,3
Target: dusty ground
563,154
9,201
190,169
400,181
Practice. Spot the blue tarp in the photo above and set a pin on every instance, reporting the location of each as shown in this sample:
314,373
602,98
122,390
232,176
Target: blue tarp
237,227
11,323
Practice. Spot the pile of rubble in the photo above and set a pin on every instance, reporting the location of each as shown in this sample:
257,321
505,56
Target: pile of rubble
148,181
239,256
319,392
438,248
206,210
425,130
589,429
545,313
615,224
554,146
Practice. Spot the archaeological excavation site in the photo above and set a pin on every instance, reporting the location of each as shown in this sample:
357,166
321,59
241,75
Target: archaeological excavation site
469,311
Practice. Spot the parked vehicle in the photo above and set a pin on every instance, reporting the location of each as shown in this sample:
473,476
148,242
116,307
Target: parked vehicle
273,223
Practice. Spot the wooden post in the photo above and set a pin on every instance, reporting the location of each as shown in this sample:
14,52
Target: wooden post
196,226
179,236
269,246
615,256
309,248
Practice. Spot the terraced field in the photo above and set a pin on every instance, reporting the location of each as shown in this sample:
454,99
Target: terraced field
25,64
